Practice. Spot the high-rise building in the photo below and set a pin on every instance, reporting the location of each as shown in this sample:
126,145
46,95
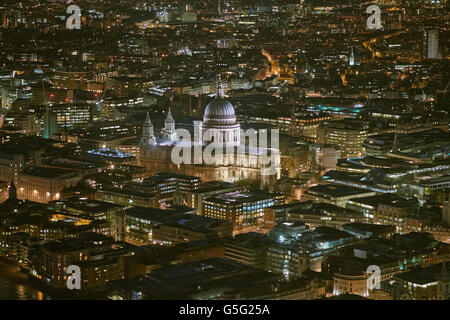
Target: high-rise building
430,44
63,115
50,123
352,58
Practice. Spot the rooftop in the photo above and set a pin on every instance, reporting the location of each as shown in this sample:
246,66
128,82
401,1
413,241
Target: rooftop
171,175
84,204
240,197
49,173
423,276
204,279
336,190
435,180
374,229
387,198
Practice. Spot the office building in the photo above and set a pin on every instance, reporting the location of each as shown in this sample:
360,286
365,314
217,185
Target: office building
244,209
430,43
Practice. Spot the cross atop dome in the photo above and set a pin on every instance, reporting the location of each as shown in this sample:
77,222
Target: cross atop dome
220,93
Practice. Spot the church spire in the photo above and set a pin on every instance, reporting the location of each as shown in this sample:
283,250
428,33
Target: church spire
169,127
147,119
148,136
169,116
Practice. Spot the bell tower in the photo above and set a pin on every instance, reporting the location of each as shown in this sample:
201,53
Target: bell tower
169,127
148,136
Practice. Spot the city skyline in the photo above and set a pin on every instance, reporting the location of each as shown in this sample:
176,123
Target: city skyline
224,150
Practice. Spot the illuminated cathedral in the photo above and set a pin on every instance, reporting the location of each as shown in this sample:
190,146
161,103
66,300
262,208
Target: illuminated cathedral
219,125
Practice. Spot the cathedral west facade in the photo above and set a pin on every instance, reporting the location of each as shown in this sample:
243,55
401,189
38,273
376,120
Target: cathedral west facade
219,127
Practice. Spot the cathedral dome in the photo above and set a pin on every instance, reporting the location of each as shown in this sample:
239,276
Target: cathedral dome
219,111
